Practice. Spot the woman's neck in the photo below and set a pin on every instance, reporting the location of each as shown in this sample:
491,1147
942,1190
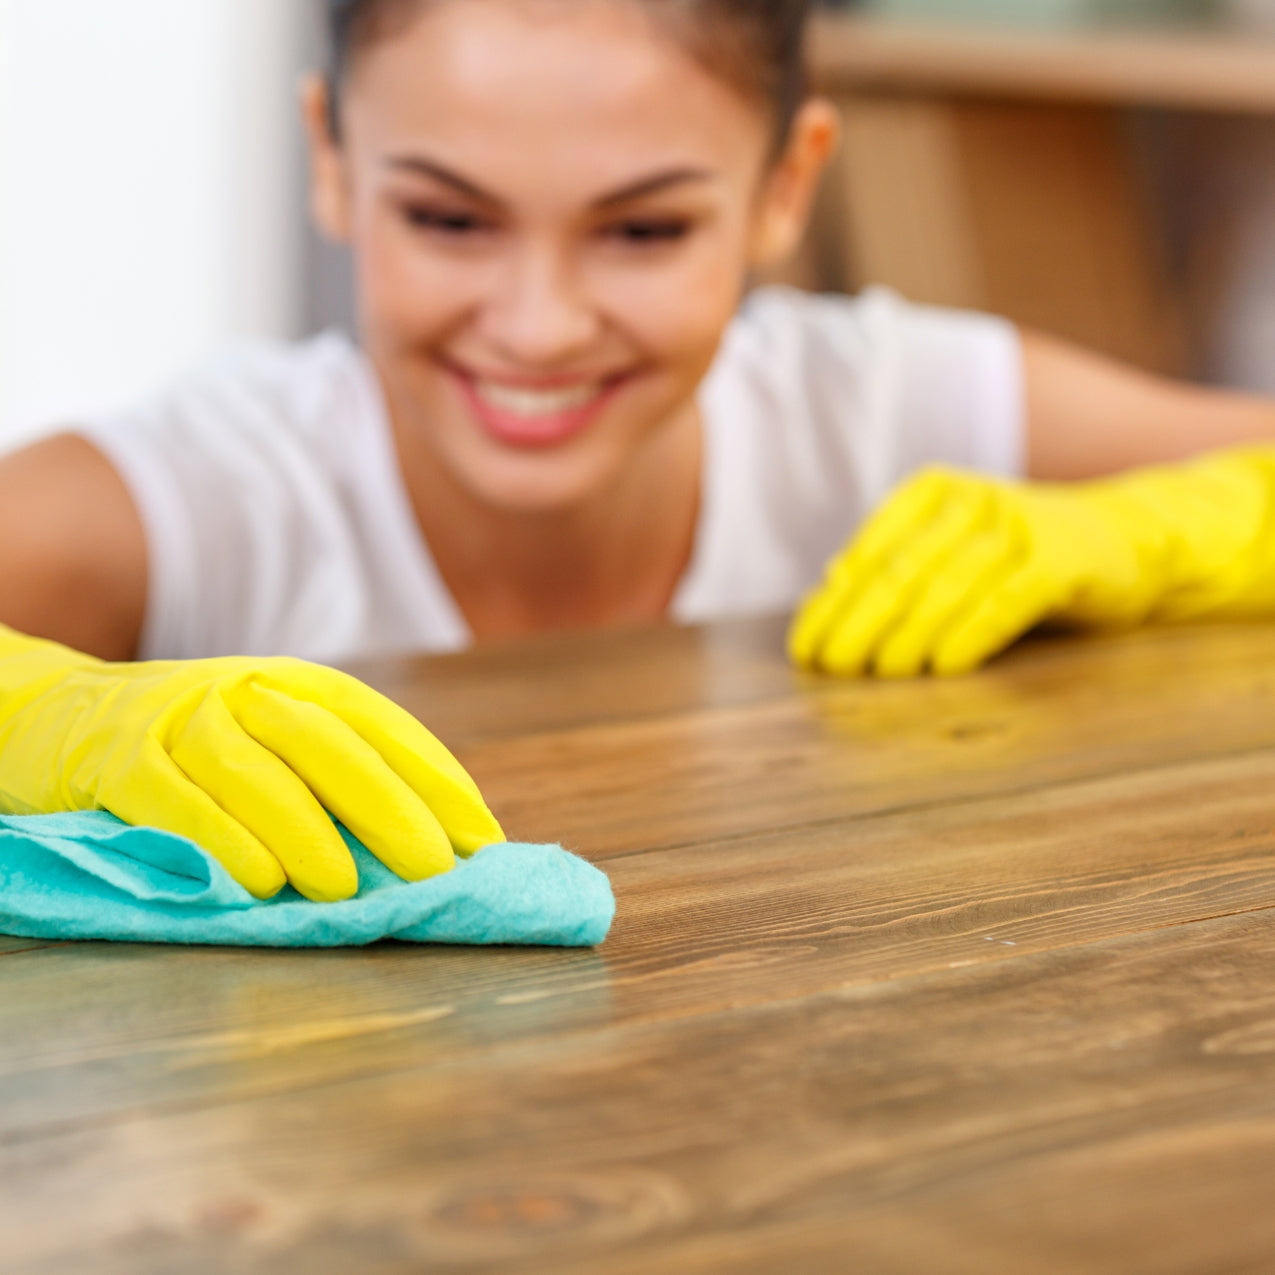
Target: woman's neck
613,560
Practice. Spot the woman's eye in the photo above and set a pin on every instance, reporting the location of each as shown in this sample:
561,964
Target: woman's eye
649,230
442,220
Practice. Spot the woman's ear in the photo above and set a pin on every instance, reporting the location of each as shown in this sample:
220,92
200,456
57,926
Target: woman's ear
329,197
793,179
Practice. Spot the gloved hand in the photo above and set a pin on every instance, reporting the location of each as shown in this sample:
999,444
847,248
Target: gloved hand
954,566
240,755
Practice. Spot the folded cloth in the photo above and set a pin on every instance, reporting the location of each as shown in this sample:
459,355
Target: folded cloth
89,876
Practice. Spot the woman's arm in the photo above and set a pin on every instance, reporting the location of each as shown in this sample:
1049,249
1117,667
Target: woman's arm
954,566
1088,415
72,549
246,757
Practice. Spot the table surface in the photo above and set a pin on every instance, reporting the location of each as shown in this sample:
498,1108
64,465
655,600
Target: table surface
1227,69
955,976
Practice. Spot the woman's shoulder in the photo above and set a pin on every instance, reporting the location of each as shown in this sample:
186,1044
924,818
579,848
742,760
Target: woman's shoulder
852,327
773,307
797,350
872,382
871,358
307,387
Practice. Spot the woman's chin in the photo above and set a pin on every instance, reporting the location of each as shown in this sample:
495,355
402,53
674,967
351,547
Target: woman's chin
540,484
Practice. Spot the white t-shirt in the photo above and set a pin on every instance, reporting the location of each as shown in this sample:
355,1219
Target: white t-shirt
277,521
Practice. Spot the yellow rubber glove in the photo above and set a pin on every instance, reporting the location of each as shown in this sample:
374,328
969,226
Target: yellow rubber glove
240,755
954,567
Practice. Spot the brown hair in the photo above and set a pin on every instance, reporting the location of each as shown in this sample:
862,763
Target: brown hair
756,45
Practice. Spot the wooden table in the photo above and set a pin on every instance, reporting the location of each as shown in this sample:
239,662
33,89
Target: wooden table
961,976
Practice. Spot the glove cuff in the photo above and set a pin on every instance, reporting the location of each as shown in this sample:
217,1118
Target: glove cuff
1209,525
28,663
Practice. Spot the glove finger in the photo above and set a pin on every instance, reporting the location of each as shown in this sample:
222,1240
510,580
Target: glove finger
916,502
955,586
258,789
158,794
893,522
350,778
1005,612
887,598
810,626
406,747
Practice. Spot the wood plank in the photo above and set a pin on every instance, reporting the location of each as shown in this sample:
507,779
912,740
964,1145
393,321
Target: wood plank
1200,70
97,1033
1048,711
930,1108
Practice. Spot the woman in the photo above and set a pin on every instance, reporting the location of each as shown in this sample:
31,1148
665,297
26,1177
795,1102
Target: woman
561,415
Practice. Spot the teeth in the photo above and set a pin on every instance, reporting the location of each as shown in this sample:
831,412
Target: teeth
536,402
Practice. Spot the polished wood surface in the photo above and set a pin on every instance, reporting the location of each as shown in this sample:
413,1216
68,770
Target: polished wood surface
959,976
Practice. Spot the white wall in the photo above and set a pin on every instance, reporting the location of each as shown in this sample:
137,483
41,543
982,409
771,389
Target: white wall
149,193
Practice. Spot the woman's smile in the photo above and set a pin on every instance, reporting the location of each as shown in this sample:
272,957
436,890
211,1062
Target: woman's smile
535,411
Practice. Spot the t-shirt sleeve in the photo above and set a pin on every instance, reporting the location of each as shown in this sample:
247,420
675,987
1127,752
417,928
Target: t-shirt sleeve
245,544
956,386
816,408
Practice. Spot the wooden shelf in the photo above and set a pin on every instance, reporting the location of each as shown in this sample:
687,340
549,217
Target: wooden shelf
1207,70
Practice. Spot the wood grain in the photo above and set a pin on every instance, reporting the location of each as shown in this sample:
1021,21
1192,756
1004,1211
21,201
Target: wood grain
741,922
953,976
843,749
905,1103
578,679
559,682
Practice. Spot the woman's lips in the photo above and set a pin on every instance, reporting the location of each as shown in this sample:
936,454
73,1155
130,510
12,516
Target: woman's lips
535,416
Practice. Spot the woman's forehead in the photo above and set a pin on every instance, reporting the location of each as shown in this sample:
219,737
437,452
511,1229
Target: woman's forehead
585,83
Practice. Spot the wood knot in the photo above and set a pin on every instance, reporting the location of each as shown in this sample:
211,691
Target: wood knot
964,731
504,1217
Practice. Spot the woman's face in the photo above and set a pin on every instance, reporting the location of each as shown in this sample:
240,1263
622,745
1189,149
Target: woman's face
553,208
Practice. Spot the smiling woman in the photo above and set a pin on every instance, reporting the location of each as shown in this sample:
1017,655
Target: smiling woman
572,214
565,408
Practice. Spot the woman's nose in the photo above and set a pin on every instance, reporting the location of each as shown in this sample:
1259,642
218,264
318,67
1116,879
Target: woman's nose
537,316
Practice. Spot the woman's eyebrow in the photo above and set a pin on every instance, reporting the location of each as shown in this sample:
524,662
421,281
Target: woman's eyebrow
428,168
633,190
651,185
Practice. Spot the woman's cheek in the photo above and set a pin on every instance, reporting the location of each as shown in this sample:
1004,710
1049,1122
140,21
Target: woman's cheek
406,292
682,311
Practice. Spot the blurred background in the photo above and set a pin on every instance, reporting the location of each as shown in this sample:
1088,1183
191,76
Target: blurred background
1102,169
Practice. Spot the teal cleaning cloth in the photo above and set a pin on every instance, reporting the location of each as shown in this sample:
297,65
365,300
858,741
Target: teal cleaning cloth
89,876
